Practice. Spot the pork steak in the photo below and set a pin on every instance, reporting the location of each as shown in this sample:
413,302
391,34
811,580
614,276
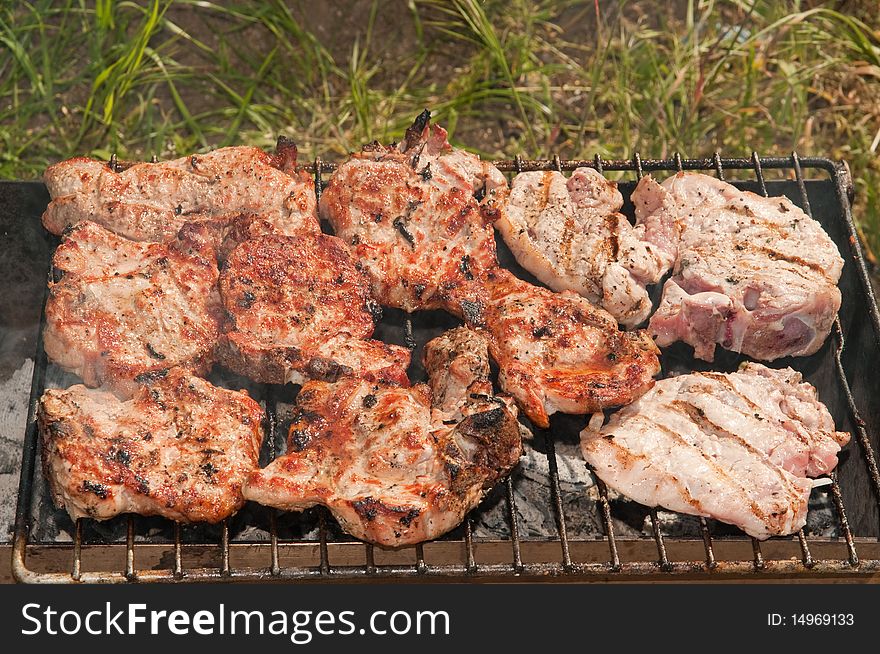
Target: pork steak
180,448
418,217
753,274
298,309
737,447
151,201
570,234
121,311
397,465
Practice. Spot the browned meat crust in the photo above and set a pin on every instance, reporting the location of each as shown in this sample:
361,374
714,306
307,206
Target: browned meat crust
558,352
413,219
180,448
298,309
394,467
151,201
120,311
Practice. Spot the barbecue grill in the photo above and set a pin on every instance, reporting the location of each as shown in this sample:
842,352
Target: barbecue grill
263,545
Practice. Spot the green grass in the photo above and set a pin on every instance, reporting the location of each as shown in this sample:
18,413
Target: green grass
536,78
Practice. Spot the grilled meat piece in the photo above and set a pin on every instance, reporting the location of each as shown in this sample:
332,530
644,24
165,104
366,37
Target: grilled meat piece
298,309
120,311
151,201
558,352
571,235
394,467
736,447
457,363
180,448
230,235
755,275
417,217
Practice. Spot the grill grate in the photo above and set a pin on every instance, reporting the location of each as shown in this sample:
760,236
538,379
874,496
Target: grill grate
458,558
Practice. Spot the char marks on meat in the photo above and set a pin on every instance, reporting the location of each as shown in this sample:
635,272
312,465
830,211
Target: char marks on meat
737,447
410,215
571,235
426,242
457,363
151,201
753,274
181,448
298,309
397,465
558,352
120,311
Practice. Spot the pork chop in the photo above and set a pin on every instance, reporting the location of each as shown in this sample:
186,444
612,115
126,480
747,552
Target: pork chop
120,311
737,447
417,216
753,274
298,309
558,352
397,465
571,235
181,449
151,201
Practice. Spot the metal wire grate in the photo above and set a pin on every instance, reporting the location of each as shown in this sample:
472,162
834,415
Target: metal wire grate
464,557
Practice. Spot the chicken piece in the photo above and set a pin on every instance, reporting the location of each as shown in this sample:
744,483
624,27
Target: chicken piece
571,235
558,352
151,201
120,311
432,247
755,275
417,217
736,447
181,448
394,466
298,309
